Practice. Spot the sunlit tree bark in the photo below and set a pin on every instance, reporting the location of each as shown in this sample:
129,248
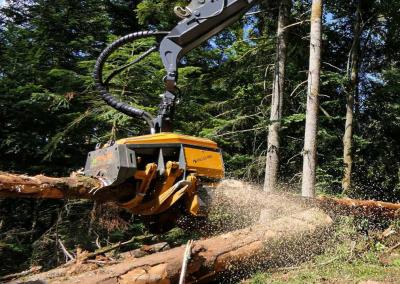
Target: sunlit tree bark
310,140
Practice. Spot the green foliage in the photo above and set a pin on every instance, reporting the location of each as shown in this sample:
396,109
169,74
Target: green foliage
50,115
158,13
396,262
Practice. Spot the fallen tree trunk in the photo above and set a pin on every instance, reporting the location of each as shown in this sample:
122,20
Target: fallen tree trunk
364,208
81,187
247,196
286,239
32,270
73,187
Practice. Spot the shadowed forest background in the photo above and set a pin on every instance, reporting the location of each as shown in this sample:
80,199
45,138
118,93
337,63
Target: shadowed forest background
50,115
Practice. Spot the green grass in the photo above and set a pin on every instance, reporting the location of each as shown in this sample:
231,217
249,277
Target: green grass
350,258
339,271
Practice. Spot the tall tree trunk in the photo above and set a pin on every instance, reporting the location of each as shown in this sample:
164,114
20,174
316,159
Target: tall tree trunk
310,137
272,163
352,92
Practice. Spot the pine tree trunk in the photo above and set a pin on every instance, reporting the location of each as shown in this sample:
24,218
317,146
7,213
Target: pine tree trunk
310,140
272,162
73,187
351,94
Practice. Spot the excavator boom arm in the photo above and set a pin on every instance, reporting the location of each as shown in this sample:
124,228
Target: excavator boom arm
202,19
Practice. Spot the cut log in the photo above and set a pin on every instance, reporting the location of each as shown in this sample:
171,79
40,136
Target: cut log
362,208
31,270
73,187
237,194
286,239
81,187
145,250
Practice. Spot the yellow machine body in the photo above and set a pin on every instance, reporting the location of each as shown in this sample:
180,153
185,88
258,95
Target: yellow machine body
162,169
202,156
169,138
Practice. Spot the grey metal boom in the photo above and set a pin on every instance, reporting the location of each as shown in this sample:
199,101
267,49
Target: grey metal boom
202,19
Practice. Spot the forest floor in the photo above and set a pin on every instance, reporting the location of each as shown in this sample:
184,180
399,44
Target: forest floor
353,256
358,250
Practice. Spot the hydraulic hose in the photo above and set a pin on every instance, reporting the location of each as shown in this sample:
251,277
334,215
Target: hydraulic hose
101,86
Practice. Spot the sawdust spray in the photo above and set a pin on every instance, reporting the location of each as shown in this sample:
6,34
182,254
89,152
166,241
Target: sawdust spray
236,204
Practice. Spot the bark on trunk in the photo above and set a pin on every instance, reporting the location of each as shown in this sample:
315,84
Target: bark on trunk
272,160
371,209
73,187
351,94
78,187
284,240
255,204
310,140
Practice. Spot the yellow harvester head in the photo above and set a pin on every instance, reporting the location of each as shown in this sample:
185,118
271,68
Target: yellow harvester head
162,169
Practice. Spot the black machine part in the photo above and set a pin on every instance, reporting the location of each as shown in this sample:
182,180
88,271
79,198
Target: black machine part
112,165
201,19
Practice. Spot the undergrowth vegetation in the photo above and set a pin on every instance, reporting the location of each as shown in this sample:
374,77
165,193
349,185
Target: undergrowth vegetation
353,255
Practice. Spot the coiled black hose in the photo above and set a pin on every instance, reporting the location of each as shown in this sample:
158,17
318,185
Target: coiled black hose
101,86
